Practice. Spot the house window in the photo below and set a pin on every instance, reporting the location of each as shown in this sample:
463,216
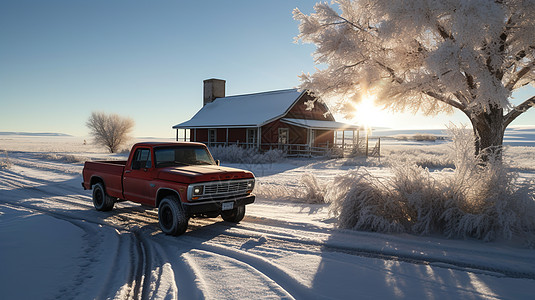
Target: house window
284,135
212,136
251,136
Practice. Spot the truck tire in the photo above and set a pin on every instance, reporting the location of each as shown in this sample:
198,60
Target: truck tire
171,216
234,215
101,200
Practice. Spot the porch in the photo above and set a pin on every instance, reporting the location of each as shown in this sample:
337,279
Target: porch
346,143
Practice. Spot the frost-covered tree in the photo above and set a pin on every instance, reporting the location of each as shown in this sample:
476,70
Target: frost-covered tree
109,130
429,56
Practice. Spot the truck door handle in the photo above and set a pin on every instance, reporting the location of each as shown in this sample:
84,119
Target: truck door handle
127,171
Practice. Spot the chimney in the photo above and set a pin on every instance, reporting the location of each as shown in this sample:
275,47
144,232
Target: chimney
213,88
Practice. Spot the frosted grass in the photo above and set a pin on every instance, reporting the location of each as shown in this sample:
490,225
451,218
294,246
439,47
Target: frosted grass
479,200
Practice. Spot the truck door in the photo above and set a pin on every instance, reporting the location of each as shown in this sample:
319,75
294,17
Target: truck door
138,177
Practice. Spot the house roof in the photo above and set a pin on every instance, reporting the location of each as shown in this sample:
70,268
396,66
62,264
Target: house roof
252,110
320,125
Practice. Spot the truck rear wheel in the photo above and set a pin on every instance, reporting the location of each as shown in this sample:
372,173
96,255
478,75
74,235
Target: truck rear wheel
101,200
171,216
234,215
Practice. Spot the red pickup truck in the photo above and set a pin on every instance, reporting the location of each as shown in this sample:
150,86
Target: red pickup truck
181,179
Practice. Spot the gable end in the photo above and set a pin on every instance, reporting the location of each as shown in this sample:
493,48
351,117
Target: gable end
298,110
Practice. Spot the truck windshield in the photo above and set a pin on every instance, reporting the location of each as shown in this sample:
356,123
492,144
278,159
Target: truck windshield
182,156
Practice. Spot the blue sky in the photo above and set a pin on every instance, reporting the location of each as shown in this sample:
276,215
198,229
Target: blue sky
61,60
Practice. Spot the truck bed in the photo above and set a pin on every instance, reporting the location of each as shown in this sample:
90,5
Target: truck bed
110,171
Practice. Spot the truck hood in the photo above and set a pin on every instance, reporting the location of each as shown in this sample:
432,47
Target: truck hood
203,173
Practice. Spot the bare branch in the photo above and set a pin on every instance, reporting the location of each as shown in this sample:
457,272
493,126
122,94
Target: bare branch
518,110
390,71
353,24
520,75
351,66
445,100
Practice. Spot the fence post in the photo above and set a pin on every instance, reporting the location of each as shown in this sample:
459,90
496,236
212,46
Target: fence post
379,149
343,143
366,143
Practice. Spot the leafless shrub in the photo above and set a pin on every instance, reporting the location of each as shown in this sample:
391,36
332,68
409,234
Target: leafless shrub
68,158
432,157
236,154
314,191
110,130
5,163
308,190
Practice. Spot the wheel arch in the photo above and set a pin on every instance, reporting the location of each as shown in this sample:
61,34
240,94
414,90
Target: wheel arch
164,192
96,179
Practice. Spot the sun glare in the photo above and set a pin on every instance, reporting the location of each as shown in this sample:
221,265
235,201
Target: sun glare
366,113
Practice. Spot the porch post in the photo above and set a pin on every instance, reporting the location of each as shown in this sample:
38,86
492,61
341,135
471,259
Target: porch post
358,140
259,137
226,142
353,137
177,134
366,142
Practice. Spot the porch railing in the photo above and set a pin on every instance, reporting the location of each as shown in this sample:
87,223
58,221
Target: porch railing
304,150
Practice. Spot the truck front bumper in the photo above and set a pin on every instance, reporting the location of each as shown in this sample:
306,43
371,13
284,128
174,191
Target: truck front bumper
212,206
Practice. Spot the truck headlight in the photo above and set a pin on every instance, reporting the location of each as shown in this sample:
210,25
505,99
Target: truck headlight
250,186
197,190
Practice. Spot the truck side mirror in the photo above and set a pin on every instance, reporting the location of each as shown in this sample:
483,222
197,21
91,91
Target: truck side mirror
217,162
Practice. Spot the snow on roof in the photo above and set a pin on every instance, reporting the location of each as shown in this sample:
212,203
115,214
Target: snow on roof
252,110
322,125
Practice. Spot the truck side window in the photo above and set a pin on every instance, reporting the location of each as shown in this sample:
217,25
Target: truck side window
141,159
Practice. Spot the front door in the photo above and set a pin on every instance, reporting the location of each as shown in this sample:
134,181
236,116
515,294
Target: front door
284,134
251,137
212,137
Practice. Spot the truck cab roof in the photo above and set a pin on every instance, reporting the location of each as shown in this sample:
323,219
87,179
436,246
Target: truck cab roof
161,144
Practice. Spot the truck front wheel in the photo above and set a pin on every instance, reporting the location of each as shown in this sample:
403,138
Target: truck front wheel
101,200
171,216
235,215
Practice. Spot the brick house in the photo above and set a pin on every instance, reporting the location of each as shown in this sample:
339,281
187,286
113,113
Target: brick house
262,120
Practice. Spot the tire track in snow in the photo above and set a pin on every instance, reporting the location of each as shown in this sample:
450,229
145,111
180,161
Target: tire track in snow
93,254
298,243
61,209
220,281
140,275
136,259
37,162
159,280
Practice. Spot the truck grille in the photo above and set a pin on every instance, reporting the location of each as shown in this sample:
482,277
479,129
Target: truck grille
219,189
225,187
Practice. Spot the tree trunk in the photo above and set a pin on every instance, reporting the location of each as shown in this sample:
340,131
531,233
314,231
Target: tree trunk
489,131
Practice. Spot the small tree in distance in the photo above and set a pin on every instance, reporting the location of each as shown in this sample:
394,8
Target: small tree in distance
110,130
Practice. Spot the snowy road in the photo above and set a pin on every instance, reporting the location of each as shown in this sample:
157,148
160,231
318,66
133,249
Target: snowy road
53,240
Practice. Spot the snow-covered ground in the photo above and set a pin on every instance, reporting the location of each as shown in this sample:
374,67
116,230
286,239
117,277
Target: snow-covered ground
53,244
